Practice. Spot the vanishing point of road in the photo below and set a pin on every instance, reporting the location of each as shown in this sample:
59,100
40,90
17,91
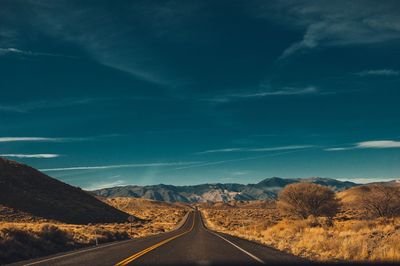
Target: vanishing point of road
191,244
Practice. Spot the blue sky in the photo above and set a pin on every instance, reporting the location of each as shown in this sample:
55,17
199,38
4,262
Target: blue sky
104,93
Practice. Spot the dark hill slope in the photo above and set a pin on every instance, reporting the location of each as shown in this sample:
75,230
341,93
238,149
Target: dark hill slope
26,189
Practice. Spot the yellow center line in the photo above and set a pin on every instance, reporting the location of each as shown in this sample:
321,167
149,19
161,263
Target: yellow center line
141,253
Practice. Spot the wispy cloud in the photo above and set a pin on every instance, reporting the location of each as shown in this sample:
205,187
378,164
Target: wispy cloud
220,150
38,156
240,173
104,37
374,144
264,91
60,139
10,108
281,148
105,184
240,159
378,144
38,105
27,139
36,139
379,72
12,50
334,23
339,149
310,40
102,167
283,91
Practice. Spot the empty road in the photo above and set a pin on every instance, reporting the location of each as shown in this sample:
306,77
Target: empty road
190,244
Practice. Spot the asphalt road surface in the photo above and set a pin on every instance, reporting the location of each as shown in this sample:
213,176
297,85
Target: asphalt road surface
191,244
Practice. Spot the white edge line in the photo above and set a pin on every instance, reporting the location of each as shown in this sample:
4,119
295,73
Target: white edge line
233,244
77,252
236,246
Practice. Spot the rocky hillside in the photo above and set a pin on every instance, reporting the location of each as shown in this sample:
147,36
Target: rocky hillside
26,190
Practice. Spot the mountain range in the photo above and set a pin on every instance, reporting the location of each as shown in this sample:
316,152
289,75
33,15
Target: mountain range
266,189
27,190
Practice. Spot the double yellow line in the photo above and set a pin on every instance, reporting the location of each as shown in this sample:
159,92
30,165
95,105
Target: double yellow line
141,253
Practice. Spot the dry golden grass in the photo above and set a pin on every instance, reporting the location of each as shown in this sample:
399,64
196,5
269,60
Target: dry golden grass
8,214
350,238
160,215
24,240
23,236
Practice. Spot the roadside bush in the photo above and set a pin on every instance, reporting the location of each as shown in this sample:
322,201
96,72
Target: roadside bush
380,201
17,244
54,235
107,236
301,200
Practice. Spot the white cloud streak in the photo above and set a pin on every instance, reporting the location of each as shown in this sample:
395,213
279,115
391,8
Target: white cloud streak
283,91
38,156
35,139
27,139
220,150
281,148
266,91
102,167
238,160
378,144
4,51
339,149
374,144
101,185
379,72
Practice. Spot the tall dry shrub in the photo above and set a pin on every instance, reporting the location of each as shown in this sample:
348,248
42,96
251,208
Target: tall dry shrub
301,200
19,244
380,201
54,235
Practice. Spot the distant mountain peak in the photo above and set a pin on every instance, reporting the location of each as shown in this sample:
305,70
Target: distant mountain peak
275,182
